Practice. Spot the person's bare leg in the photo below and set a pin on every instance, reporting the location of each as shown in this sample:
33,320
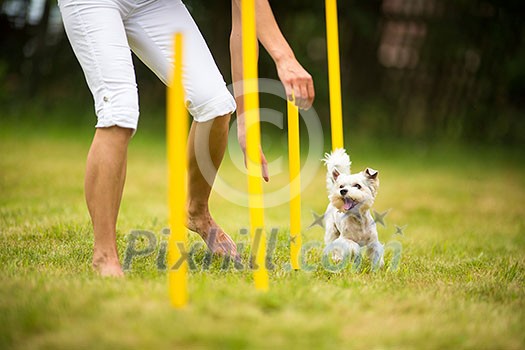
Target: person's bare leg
104,184
206,145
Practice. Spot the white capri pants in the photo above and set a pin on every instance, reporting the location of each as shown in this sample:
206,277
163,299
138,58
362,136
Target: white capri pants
102,32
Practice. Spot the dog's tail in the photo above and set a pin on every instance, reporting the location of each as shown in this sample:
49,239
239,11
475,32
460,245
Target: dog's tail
336,162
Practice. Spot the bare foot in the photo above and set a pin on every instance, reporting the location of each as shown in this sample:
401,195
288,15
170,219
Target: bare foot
218,241
107,267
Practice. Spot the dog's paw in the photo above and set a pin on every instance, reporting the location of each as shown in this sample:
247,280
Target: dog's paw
337,256
354,249
378,264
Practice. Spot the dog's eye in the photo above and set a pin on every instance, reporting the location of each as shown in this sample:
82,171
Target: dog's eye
358,186
342,186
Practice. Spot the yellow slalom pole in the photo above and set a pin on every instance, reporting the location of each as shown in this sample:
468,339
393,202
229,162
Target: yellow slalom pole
177,128
334,74
294,161
253,141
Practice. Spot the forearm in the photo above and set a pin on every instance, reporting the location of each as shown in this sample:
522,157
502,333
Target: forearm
290,72
269,34
236,66
296,80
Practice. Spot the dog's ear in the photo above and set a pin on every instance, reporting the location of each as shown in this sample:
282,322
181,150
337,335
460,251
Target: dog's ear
371,174
372,180
335,174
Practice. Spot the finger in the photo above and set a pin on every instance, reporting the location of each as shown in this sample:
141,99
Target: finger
265,174
289,91
298,101
264,168
311,92
304,95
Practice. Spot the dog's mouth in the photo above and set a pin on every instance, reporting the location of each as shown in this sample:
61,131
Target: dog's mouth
349,203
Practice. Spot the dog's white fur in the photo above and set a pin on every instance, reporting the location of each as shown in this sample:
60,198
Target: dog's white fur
349,224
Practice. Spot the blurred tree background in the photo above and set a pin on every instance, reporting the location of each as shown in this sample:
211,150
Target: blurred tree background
423,69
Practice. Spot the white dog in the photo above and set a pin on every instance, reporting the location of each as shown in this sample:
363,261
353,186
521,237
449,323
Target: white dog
349,224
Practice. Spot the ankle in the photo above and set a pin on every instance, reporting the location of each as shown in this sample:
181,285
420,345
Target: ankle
104,256
197,210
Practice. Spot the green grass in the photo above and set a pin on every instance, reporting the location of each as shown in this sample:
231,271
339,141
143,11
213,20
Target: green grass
460,283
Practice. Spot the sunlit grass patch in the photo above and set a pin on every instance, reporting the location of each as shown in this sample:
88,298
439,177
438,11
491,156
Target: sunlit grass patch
459,283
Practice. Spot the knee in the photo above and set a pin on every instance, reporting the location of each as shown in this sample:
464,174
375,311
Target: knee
219,122
115,136
222,120
116,132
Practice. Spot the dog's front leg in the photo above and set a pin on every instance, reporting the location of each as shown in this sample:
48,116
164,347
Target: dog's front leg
342,247
331,232
375,252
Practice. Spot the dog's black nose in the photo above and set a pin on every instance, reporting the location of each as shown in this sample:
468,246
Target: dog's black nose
343,192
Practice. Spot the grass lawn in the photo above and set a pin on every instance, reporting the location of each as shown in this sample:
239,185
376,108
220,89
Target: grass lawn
459,284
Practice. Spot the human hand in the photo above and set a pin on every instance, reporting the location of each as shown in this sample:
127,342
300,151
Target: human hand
298,83
264,163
